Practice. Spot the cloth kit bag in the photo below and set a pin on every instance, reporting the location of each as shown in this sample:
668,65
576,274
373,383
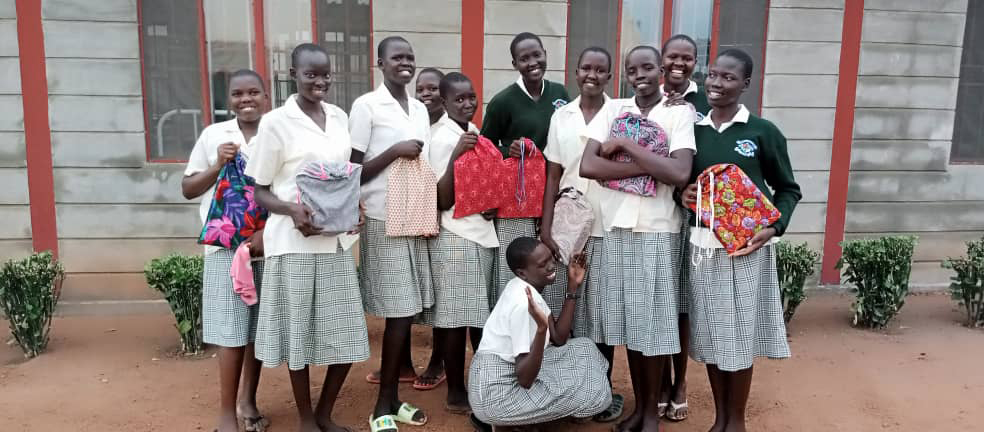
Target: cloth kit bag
478,181
647,134
331,190
573,219
527,176
234,214
411,199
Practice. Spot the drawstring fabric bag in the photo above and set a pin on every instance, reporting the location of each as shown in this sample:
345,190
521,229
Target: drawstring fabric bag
478,181
527,176
647,134
411,199
573,219
331,190
234,214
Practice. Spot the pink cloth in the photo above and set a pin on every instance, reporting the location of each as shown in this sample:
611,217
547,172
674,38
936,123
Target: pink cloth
242,275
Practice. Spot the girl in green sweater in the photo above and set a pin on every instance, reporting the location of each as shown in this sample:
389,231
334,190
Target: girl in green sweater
735,311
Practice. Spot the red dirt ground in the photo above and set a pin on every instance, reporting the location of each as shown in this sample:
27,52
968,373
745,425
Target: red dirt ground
115,374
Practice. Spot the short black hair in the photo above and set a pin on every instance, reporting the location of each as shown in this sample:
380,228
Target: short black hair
385,43
247,73
596,49
431,70
519,251
451,78
295,55
521,37
741,56
682,37
643,48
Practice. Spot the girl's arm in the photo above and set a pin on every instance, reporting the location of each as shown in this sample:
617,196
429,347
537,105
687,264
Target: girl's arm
528,364
554,172
194,185
445,186
595,167
298,212
673,170
409,149
560,331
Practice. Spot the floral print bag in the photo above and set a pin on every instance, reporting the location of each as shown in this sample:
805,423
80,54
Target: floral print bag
234,215
647,134
732,206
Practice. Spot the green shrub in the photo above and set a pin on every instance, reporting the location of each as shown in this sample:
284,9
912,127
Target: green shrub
879,269
29,291
967,286
179,278
794,264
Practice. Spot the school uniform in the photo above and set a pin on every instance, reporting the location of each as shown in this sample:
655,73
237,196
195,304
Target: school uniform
463,254
311,308
642,245
226,320
510,115
395,272
696,96
565,146
736,310
572,380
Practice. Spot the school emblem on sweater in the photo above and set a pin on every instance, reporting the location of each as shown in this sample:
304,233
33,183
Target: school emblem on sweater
746,148
559,103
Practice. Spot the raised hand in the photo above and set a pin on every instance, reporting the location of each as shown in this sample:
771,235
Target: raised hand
539,316
576,271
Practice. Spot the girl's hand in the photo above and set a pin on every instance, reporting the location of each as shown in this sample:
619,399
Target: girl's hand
759,240
226,152
517,148
576,271
302,217
673,99
256,244
490,214
612,146
547,239
538,315
362,219
408,149
689,195
465,143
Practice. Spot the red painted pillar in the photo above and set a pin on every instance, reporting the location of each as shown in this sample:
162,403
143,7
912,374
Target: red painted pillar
37,129
840,158
473,47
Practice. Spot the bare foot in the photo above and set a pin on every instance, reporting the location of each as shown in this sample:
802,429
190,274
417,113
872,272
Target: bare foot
735,427
631,423
458,403
431,375
650,422
309,426
332,427
718,426
406,375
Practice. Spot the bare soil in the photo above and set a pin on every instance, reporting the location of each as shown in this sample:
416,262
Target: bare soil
119,373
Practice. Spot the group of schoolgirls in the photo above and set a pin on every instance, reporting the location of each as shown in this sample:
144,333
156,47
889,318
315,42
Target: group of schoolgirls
645,272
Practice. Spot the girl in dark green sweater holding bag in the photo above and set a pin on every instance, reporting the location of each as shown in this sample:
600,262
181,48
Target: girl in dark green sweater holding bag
735,311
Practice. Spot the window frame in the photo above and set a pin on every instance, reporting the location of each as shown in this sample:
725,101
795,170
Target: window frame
969,32
262,67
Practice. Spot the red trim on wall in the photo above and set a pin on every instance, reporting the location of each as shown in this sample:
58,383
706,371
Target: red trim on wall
617,64
203,70
567,46
765,48
715,31
667,29
143,80
473,48
314,22
372,51
840,159
37,129
259,48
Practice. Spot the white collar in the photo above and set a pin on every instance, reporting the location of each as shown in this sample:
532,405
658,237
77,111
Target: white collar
740,117
691,88
447,122
522,86
294,110
383,95
574,106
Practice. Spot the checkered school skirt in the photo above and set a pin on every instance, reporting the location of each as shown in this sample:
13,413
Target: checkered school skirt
226,320
645,269
572,382
591,308
462,279
508,230
736,313
311,311
395,272
683,294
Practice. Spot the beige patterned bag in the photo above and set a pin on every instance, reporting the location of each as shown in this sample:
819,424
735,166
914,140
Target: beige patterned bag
573,219
411,199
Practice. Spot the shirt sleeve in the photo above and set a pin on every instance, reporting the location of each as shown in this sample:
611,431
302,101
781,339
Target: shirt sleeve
554,151
778,173
522,330
360,125
198,160
682,136
266,156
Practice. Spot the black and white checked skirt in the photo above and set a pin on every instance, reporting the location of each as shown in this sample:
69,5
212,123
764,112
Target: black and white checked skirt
462,272
683,294
311,311
395,272
736,312
572,382
508,230
591,310
226,320
644,268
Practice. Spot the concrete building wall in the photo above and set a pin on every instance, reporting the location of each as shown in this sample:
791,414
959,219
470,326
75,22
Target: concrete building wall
901,179
433,28
15,232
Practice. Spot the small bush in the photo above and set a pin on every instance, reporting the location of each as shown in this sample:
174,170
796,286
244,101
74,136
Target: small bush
179,278
967,286
794,263
29,291
879,269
